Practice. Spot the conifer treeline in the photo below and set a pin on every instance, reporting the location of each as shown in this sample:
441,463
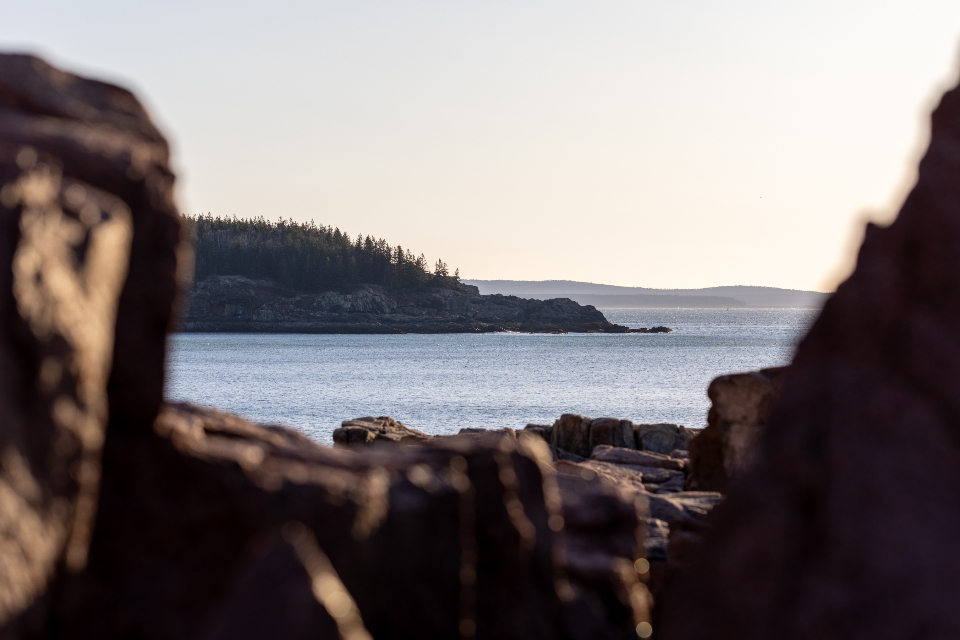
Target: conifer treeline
307,257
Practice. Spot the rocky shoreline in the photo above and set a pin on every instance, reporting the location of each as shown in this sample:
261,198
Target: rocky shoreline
673,476
239,304
821,501
128,517
648,464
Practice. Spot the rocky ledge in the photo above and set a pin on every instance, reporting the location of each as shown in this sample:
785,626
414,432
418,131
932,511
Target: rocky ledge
235,303
647,464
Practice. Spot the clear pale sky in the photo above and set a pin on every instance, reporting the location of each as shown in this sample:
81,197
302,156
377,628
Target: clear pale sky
658,144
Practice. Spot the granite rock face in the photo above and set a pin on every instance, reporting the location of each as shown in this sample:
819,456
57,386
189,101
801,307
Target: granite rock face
236,303
846,524
89,245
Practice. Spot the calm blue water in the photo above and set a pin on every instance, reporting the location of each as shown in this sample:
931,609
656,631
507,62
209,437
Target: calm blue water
440,383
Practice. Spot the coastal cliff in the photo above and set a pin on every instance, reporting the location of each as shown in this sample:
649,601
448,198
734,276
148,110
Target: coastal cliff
236,303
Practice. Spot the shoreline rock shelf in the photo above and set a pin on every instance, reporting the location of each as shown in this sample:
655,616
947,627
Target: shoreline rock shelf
647,461
239,304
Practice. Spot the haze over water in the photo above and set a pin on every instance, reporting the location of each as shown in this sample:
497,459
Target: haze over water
442,383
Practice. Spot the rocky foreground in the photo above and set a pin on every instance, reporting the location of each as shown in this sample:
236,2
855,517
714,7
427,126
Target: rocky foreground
821,501
124,517
648,463
672,474
239,304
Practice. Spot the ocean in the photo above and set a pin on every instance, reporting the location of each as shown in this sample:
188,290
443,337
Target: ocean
442,383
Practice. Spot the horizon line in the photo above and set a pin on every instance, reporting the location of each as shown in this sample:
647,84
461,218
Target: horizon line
463,279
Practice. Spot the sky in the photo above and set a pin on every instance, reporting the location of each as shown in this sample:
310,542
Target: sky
658,144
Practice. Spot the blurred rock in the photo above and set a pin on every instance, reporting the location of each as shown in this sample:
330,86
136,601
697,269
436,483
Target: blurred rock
846,524
684,436
687,506
655,543
560,454
740,409
676,482
706,461
545,431
619,455
505,431
90,249
426,540
273,586
682,545
628,481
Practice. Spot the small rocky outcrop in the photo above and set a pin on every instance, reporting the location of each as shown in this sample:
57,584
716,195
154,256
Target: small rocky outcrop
845,524
644,459
618,455
375,430
235,303
675,517
579,435
657,329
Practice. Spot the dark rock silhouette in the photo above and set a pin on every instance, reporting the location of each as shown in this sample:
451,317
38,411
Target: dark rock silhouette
739,411
657,329
89,245
235,303
846,525
424,539
126,519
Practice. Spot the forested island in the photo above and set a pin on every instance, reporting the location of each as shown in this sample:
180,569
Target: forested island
253,275
303,256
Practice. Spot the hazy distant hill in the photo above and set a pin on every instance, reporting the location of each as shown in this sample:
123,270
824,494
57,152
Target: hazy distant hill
606,295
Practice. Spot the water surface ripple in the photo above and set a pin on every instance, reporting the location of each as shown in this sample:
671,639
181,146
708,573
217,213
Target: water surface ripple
440,383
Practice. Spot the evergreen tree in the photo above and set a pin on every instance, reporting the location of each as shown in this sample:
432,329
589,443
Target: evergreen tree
307,256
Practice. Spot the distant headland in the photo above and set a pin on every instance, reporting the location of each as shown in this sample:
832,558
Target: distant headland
253,275
240,304
289,277
611,296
